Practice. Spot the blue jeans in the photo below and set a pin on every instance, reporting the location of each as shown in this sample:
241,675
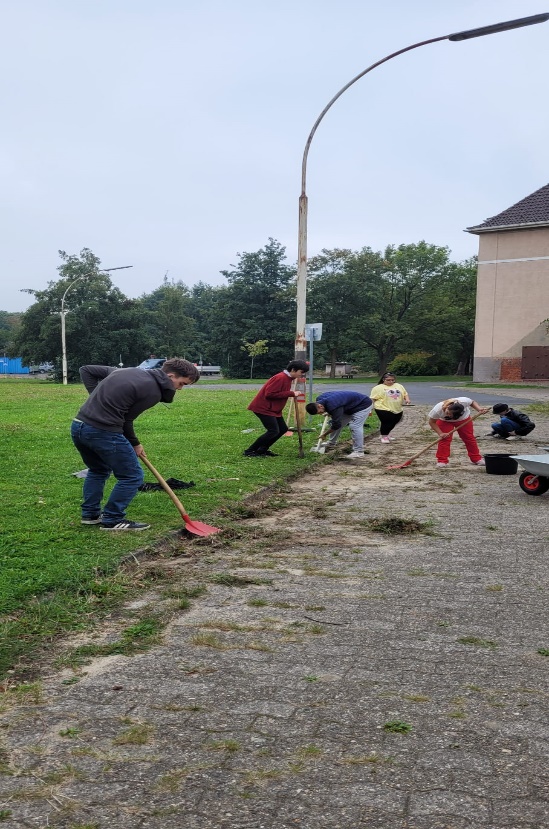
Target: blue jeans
504,427
355,422
105,452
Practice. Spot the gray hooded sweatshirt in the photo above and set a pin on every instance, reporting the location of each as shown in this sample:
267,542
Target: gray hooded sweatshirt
119,395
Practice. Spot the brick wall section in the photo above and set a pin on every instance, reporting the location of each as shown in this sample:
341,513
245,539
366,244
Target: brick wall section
510,369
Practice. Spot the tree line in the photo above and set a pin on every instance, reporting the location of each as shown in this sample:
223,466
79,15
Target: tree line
408,306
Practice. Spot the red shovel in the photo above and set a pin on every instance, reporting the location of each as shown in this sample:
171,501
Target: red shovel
408,462
194,527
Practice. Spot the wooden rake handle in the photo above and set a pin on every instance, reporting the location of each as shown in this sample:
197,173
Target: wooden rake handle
166,487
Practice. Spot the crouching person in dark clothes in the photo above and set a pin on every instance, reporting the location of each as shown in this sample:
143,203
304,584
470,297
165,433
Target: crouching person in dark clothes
346,408
268,404
103,433
512,423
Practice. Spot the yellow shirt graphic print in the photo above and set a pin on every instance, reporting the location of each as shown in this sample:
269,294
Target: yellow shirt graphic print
388,398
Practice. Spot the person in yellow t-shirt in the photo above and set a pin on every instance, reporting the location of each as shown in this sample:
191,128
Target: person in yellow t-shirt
389,397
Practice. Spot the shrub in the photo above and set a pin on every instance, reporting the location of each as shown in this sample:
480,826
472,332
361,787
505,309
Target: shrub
413,363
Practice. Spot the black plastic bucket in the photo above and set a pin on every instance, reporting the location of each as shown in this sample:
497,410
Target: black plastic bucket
500,464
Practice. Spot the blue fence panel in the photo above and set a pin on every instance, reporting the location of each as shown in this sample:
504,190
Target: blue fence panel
12,365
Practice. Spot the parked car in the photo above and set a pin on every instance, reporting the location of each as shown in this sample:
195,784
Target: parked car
43,368
152,362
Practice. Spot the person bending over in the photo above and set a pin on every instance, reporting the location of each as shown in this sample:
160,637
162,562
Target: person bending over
103,432
346,408
448,414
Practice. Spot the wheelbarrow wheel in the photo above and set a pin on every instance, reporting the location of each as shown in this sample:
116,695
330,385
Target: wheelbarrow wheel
533,484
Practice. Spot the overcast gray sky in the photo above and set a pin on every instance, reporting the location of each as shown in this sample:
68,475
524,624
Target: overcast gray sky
168,134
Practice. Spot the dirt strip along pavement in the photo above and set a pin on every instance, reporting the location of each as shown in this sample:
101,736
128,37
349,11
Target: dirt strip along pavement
331,676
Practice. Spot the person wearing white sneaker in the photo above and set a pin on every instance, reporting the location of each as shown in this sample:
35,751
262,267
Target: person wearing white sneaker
512,423
389,398
346,408
445,417
104,435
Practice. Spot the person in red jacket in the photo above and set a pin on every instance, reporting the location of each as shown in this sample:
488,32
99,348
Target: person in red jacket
267,405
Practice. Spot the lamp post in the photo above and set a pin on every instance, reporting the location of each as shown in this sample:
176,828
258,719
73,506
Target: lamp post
300,342
63,313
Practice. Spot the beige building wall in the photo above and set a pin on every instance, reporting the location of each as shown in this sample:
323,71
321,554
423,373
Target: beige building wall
512,297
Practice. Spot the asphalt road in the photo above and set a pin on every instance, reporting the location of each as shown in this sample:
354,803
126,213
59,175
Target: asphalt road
425,394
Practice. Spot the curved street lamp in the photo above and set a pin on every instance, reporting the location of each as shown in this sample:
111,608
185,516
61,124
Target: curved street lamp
300,342
64,312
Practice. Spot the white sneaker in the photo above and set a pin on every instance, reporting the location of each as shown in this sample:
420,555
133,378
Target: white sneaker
481,462
385,439
442,465
511,437
355,454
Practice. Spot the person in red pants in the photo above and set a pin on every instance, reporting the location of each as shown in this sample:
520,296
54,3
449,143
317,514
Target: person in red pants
448,414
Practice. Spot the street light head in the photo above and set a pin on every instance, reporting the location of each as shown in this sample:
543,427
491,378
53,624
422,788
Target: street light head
500,27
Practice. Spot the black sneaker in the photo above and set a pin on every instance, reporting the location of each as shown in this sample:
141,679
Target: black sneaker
252,454
94,520
270,454
125,525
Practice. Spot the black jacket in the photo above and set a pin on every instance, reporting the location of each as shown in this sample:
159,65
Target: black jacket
119,395
524,424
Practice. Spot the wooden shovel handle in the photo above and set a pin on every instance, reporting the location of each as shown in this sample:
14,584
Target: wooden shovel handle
323,430
298,426
165,486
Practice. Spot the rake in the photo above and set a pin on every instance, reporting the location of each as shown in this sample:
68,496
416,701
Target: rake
413,458
194,527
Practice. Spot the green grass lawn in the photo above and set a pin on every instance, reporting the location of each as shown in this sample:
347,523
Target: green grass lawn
55,574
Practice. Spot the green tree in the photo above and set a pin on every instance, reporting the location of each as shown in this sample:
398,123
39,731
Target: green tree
254,350
102,325
258,303
391,292
333,294
205,309
9,325
170,326
445,323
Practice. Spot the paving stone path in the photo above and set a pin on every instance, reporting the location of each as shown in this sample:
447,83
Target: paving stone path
330,677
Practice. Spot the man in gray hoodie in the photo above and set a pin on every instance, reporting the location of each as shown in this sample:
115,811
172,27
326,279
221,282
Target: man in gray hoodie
103,433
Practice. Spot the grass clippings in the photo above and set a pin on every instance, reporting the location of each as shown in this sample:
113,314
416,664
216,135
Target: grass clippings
477,641
397,727
397,526
231,580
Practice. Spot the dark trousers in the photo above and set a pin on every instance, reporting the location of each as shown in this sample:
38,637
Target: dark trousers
275,426
388,420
